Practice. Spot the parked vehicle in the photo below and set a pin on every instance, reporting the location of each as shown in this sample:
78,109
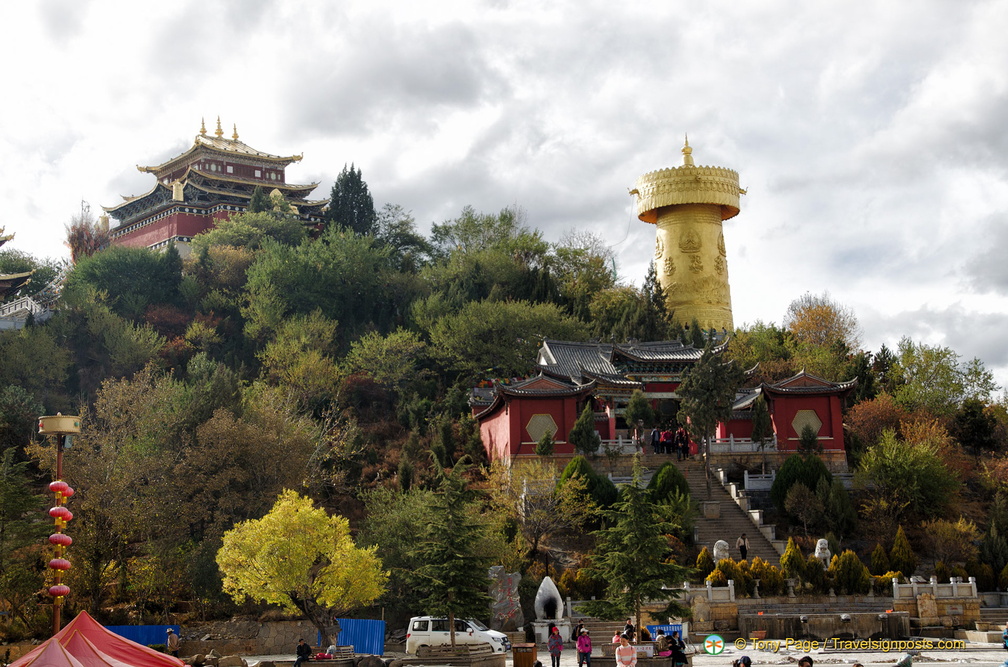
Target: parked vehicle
431,631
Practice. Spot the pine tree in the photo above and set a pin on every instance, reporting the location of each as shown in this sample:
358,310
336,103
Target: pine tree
260,201
583,435
632,555
792,561
901,556
545,445
454,570
879,561
351,205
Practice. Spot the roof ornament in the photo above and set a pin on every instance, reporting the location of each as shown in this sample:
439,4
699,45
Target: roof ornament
219,132
235,135
202,126
687,153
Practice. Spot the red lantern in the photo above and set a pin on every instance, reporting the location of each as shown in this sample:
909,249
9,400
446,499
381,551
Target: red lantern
59,486
67,492
60,539
59,564
59,512
59,590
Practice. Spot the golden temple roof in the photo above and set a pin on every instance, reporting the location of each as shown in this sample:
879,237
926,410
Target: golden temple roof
218,144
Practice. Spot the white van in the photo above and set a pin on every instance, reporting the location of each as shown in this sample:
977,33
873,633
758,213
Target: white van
431,631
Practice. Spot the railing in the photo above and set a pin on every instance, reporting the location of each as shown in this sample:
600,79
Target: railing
620,445
24,304
731,445
758,482
956,588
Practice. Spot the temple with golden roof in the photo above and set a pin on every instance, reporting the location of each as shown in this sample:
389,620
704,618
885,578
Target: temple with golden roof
211,181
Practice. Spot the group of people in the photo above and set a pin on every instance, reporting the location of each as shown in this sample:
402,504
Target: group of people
668,441
582,642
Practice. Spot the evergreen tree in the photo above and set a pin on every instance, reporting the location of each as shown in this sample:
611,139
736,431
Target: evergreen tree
808,441
707,393
454,570
879,561
260,202
639,411
351,205
792,561
633,556
762,426
583,435
901,556
599,487
545,445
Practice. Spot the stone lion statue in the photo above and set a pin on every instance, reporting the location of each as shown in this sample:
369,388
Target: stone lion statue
720,550
822,552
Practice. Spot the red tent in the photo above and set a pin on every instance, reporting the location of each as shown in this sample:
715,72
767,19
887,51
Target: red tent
85,643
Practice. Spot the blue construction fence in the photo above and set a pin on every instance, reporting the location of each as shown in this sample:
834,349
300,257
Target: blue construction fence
144,634
366,636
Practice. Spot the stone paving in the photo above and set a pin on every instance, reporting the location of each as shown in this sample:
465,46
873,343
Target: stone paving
975,654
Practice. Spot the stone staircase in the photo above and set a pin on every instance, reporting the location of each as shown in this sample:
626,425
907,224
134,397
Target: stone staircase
732,521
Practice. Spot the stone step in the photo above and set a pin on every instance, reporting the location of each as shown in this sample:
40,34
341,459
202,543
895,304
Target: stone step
733,520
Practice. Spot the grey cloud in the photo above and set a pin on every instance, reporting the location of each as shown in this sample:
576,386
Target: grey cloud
987,270
62,19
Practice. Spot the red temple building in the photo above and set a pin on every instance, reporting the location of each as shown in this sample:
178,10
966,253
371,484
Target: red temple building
211,181
514,416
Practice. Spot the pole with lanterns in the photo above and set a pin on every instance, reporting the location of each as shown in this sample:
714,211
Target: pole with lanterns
63,428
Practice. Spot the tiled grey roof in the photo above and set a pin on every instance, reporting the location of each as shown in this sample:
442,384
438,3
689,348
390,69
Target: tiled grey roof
573,359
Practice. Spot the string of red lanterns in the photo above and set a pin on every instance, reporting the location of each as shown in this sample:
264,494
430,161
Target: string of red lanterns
62,427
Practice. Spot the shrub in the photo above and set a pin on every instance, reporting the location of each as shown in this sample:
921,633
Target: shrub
545,445
704,562
771,578
798,468
850,576
1003,578
986,580
941,570
666,482
901,556
839,514
815,574
882,584
583,435
879,560
792,561
727,569
599,487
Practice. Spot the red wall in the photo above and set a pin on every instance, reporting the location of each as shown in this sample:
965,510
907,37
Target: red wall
827,408
176,224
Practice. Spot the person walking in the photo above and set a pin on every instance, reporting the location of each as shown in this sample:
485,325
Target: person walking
626,655
742,543
1004,637
584,648
629,630
172,644
555,646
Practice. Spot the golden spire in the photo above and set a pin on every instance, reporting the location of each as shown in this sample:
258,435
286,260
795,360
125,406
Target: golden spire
235,135
219,132
687,153
202,126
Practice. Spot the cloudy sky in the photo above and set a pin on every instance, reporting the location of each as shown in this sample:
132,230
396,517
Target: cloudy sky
871,136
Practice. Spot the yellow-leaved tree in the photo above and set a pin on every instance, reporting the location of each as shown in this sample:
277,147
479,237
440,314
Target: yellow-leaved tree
299,557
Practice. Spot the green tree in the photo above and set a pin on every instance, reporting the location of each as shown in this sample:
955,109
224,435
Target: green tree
132,278
849,574
394,523
599,487
251,229
545,445
808,441
792,561
396,229
667,481
19,413
934,379
798,468
802,504
975,427
707,394
639,411
762,426
582,266
763,347
453,569
299,557
839,514
583,435
902,558
260,201
633,556
350,204
910,477
879,561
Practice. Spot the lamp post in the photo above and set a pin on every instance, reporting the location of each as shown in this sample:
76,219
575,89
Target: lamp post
63,428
